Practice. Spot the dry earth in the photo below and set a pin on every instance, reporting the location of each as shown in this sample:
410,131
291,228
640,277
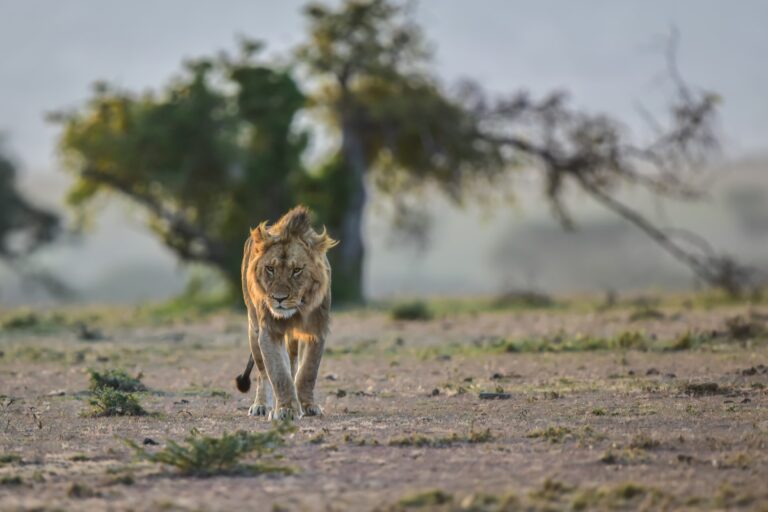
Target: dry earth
585,429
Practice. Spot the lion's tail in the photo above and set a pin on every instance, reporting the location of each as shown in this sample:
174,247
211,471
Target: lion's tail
243,381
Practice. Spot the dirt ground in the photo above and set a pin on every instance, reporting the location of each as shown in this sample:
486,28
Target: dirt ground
592,429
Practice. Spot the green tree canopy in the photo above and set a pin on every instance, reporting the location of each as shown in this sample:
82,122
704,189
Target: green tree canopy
208,157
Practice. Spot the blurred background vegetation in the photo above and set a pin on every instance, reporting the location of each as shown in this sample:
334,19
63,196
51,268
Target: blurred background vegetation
355,121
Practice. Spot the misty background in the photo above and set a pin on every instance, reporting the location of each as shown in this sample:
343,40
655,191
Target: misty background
608,55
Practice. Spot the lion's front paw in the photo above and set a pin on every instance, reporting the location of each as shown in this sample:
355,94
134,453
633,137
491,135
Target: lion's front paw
285,413
258,410
312,410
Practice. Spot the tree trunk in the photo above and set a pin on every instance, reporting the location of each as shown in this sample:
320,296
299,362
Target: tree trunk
347,261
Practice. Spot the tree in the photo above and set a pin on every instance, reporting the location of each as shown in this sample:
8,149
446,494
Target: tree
397,129
209,157
396,123
219,151
24,228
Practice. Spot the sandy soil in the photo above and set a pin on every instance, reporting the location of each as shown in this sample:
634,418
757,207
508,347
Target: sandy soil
614,417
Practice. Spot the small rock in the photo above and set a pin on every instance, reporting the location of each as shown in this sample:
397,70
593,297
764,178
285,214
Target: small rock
331,376
631,372
57,392
181,402
497,376
443,357
652,371
149,441
435,392
670,376
340,393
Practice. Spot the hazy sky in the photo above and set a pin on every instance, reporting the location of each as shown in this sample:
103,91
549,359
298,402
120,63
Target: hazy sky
608,53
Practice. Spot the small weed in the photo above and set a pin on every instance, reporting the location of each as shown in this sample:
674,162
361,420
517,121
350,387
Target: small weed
551,490
644,442
598,411
704,389
117,379
553,434
473,437
623,456
740,328
424,441
415,310
9,458
318,438
426,499
483,436
204,456
11,480
524,299
78,490
123,480
26,320
110,402
646,314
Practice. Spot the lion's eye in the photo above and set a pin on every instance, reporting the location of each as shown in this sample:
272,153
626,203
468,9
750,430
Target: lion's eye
270,270
297,271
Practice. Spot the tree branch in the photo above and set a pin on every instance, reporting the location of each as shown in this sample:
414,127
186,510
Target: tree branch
189,240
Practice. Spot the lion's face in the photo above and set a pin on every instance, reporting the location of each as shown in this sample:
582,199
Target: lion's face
289,276
289,265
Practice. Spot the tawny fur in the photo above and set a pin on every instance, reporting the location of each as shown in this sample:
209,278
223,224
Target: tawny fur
286,282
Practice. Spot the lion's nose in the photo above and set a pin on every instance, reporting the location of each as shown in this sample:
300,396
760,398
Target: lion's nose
279,298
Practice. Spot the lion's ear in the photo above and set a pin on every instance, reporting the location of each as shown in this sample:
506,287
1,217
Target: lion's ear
323,242
260,235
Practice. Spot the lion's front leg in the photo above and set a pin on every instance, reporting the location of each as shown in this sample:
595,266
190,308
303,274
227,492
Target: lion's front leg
263,401
279,373
306,377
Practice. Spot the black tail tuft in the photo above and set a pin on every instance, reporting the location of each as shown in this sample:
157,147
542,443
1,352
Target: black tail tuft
243,382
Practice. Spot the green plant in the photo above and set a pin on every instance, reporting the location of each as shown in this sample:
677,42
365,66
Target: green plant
553,434
206,456
117,379
426,499
414,310
9,458
111,402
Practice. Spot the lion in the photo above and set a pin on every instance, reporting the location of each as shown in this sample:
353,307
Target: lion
286,279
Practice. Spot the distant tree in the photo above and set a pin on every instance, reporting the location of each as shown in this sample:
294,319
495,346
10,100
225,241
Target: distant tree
24,227
219,149
212,155
397,129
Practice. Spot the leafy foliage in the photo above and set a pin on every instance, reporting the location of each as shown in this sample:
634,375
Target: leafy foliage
208,157
415,310
207,456
111,402
117,379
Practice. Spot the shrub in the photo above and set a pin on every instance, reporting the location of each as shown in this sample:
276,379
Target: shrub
111,402
115,379
206,456
415,310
